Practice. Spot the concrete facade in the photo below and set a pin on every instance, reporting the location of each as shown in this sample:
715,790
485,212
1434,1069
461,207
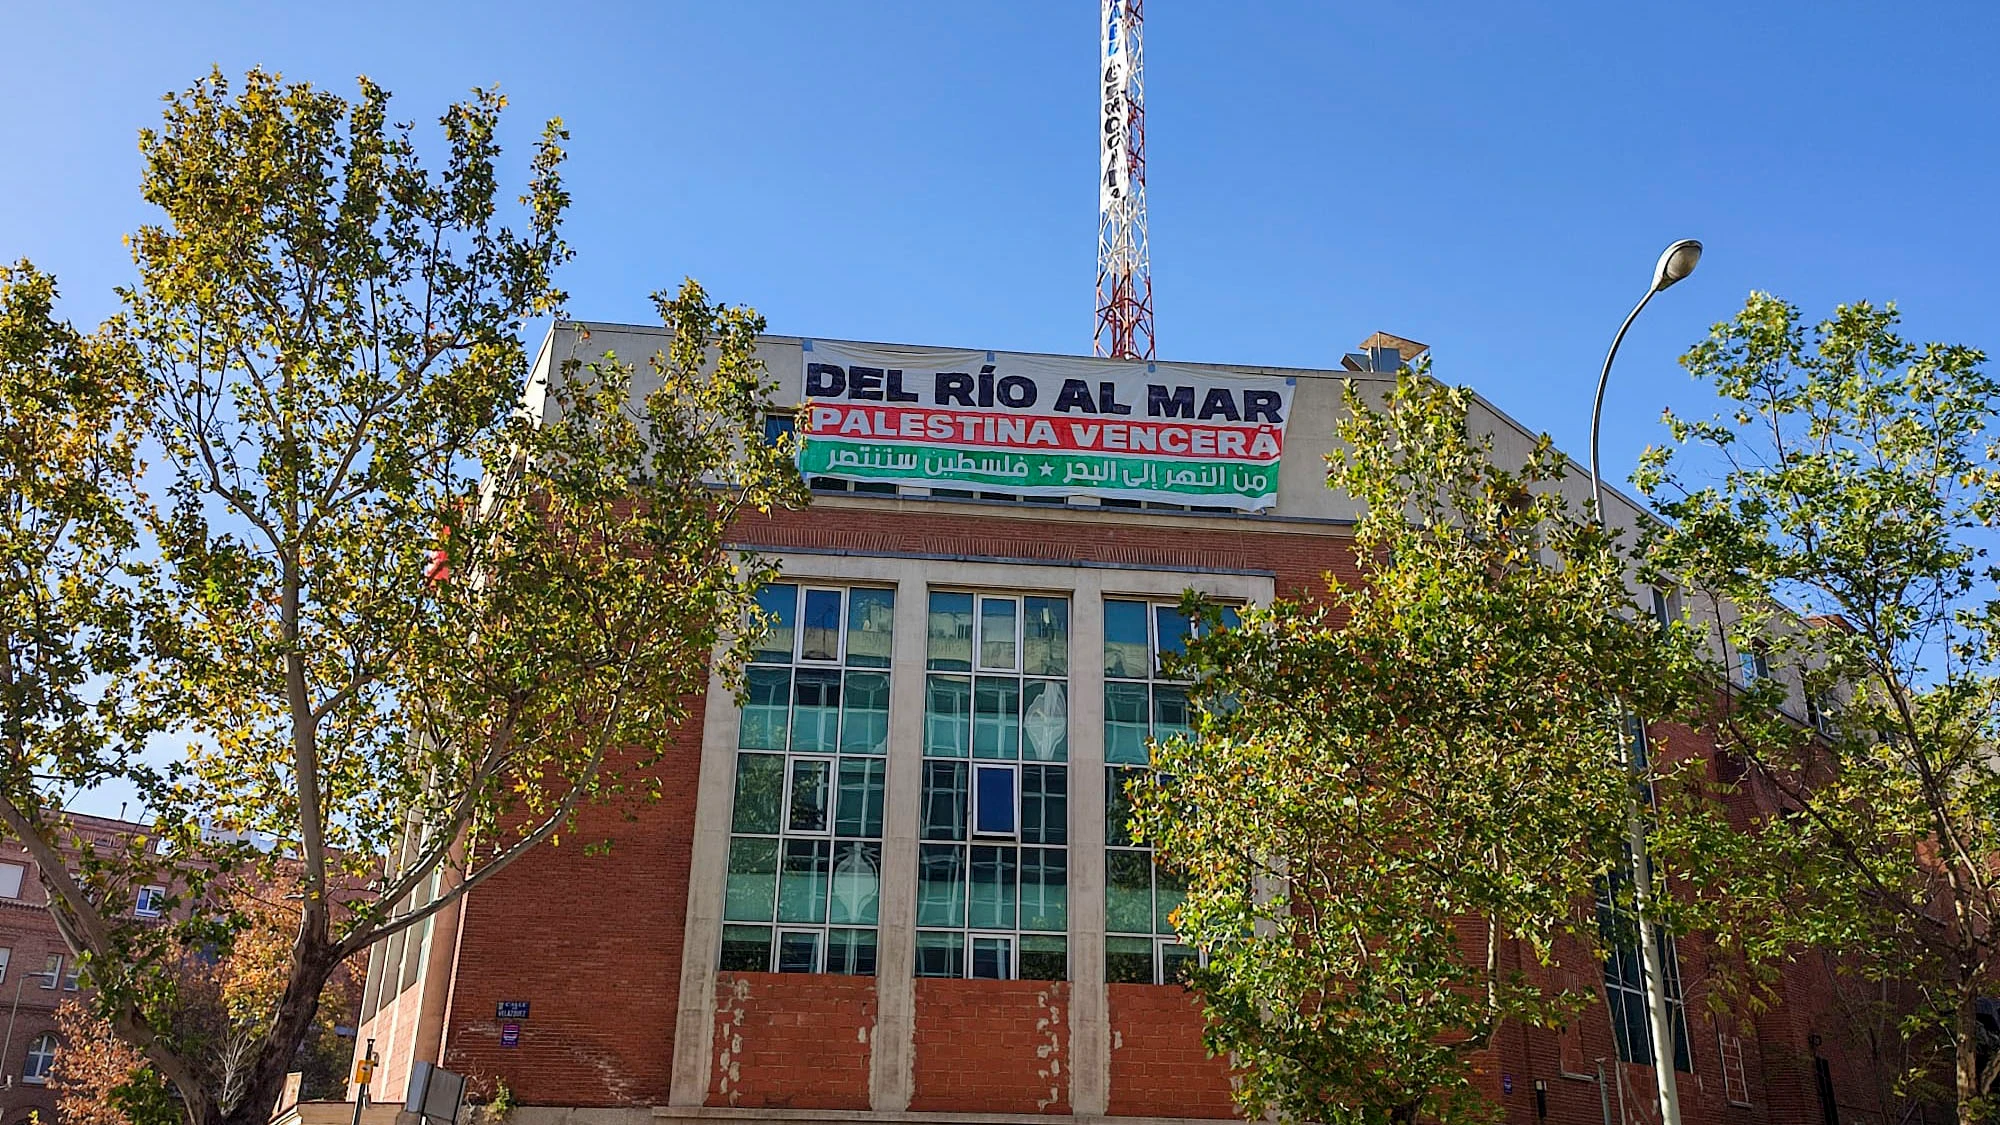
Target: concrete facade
635,1013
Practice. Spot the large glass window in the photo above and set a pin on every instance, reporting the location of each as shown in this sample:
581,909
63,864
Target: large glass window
1625,989
805,847
993,861
1142,703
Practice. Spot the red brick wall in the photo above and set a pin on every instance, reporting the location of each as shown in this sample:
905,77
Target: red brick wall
792,1041
1158,1065
1297,558
593,943
991,1046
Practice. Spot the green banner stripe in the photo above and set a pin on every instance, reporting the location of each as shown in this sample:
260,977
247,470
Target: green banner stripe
1073,472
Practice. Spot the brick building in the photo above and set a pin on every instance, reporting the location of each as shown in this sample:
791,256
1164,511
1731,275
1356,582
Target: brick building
38,972
894,885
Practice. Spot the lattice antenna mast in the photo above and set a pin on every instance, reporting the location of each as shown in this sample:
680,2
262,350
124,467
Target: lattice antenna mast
1124,266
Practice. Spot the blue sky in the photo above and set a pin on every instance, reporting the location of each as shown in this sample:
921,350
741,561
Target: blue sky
1495,180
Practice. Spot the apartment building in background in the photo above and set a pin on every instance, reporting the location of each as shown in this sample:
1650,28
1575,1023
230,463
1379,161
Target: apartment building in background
894,884
38,972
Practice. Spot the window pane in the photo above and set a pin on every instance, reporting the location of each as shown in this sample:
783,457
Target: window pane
1128,960
997,618
1175,962
871,623
798,952
864,723
1171,713
1044,890
1128,892
746,949
1231,617
802,883
940,885
1126,654
940,955
992,958
1044,804
861,782
1044,958
857,882
760,790
1172,627
1045,721
812,782
819,626
851,952
949,646
767,702
947,716
996,718
753,880
947,793
1125,723
993,879
779,604
1170,888
1117,806
993,790
816,712
1045,636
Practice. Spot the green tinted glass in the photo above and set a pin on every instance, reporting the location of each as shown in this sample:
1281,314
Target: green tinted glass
760,790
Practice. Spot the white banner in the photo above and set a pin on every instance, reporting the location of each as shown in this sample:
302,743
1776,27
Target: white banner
1115,163
1036,425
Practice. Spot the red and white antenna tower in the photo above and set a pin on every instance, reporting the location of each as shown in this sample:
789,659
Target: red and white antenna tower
1124,266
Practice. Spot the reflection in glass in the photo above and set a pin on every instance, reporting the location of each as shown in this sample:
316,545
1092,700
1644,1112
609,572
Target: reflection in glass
819,634
871,622
949,646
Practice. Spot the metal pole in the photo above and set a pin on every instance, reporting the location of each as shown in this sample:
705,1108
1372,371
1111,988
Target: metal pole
7,1050
361,1089
1653,969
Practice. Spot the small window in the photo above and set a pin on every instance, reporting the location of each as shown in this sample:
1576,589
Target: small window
151,901
778,426
6,958
41,1057
11,875
52,971
993,801
1756,662
1663,607
70,977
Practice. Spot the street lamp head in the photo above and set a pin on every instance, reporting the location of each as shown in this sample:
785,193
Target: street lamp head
1676,263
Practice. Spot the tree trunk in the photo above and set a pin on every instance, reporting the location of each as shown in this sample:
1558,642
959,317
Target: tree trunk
273,1053
1965,1043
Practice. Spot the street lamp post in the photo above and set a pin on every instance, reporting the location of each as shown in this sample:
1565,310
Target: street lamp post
1675,264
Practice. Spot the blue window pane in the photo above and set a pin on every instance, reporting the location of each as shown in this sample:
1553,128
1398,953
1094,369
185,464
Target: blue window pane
767,708
864,724
950,643
996,718
816,714
779,604
994,878
940,885
993,809
820,636
947,716
992,958
1126,653
940,955
857,882
871,622
1174,628
947,792
1125,725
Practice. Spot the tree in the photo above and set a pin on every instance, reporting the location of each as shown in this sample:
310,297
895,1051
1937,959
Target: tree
1842,505
384,610
220,1003
1396,788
